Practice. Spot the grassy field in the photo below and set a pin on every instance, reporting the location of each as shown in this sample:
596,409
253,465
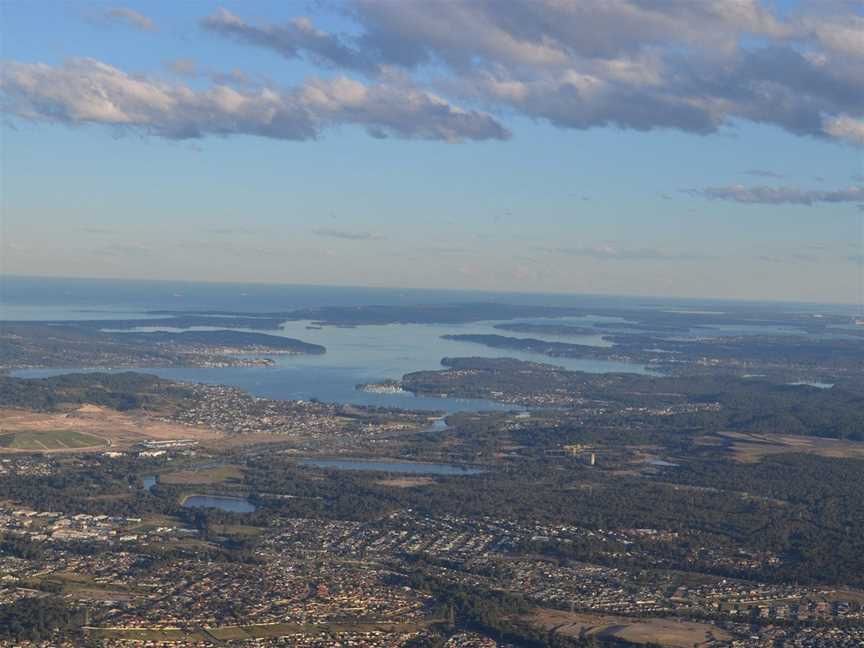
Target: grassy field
81,585
88,426
49,440
203,476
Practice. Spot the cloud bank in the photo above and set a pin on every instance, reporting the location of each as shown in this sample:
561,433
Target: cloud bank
443,70
678,64
86,91
779,195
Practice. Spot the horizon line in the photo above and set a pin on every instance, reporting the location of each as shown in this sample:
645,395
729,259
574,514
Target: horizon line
12,275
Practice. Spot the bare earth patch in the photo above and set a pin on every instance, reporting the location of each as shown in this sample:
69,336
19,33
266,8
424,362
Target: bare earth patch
666,632
405,482
109,428
750,447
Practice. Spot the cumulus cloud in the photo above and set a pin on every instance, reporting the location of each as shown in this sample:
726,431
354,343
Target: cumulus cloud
86,91
678,64
690,66
348,235
294,39
763,195
129,17
847,128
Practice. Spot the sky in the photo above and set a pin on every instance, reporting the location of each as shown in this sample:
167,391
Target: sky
637,147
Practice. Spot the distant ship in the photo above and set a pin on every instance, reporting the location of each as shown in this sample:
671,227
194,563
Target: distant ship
859,322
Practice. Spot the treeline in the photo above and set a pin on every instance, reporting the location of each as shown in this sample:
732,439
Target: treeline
685,355
241,339
108,487
121,391
821,531
501,615
745,404
493,613
802,508
39,619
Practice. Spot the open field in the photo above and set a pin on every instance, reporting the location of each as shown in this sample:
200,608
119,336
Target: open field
49,440
405,482
80,586
666,632
202,476
88,428
751,447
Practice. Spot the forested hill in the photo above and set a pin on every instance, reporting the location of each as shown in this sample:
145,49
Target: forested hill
742,404
238,339
121,391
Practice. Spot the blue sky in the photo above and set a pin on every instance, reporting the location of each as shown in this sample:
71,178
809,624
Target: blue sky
526,159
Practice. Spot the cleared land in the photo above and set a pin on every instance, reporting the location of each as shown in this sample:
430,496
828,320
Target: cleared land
83,587
214,475
751,447
405,482
49,440
666,632
88,428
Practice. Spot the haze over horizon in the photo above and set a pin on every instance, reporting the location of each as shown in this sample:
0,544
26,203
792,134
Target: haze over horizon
709,149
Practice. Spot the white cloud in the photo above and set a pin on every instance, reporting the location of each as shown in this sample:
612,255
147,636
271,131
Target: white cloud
130,17
779,195
693,66
846,128
679,64
86,91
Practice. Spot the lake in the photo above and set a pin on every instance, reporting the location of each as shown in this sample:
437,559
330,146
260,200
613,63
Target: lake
367,354
403,467
812,383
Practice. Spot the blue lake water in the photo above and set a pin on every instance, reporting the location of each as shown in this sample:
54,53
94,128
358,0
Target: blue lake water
813,383
367,354
149,482
230,504
332,385
354,355
402,467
